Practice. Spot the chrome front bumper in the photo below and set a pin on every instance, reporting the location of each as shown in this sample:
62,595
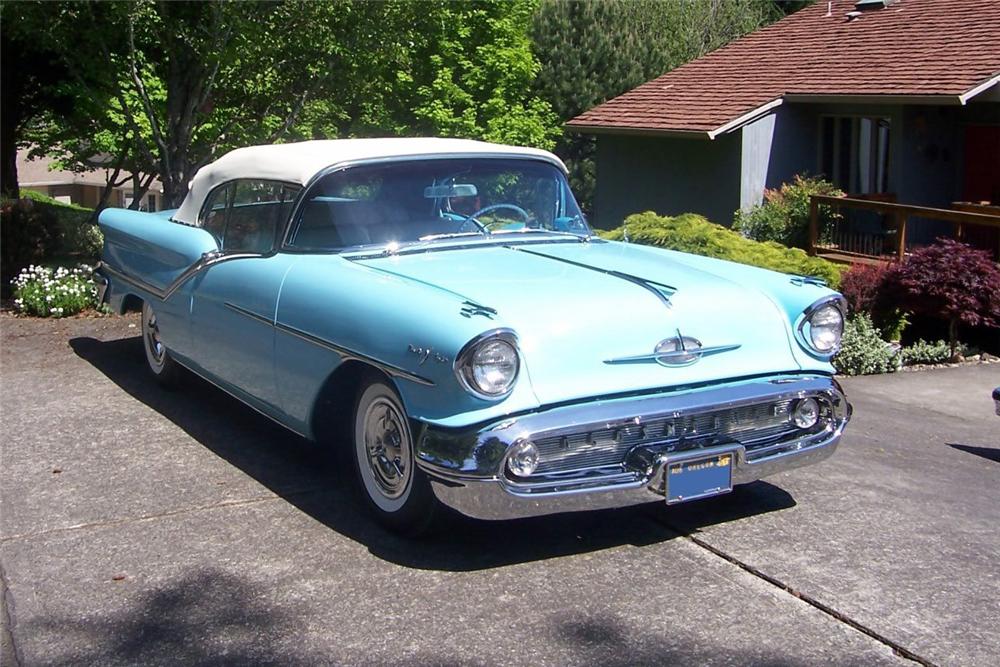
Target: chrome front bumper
466,467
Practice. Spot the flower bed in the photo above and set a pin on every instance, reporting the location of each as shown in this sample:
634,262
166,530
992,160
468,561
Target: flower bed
58,292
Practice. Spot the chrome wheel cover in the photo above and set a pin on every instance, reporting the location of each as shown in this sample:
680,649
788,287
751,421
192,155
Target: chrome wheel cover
387,445
155,350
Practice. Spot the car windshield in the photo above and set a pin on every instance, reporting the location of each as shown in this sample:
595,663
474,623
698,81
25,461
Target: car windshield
430,200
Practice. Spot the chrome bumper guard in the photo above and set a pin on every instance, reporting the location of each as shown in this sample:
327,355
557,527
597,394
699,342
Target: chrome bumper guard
466,467
101,281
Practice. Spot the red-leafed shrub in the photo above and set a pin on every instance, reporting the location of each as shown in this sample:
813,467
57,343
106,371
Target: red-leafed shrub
950,281
864,287
861,286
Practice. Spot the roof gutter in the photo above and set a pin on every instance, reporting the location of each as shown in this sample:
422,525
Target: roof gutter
637,131
799,98
981,88
748,117
734,124
937,100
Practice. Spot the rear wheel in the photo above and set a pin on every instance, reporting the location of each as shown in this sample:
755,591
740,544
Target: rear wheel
164,368
396,491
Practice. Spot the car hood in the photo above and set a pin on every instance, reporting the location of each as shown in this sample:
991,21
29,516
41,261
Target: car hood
577,306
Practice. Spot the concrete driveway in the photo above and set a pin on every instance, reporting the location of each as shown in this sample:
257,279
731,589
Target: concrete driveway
143,527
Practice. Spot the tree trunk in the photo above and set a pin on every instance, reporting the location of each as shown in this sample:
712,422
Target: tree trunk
12,112
9,186
953,337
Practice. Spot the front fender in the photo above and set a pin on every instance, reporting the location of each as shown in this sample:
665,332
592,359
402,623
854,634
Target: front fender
332,309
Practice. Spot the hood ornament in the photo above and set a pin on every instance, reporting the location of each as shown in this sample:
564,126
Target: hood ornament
679,350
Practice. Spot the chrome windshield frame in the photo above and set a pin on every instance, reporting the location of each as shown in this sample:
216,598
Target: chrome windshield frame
286,233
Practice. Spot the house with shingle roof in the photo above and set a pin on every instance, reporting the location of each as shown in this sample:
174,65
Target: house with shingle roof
897,98
83,188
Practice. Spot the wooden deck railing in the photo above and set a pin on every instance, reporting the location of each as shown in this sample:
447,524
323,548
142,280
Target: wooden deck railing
897,216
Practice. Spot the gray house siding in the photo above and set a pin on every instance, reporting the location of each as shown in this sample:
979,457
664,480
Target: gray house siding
666,175
714,178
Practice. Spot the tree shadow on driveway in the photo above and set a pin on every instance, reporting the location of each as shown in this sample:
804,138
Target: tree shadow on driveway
296,470
987,453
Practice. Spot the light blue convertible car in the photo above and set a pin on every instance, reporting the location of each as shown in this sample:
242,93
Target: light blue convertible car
441,308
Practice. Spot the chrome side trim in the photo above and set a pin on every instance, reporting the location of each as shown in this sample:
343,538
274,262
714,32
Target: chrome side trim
348,354
206,260
134,282
662,292
249,313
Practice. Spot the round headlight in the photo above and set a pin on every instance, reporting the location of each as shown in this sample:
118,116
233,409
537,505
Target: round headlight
826,326
489,367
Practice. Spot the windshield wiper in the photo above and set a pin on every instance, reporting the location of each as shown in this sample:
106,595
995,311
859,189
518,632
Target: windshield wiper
449,235
535,230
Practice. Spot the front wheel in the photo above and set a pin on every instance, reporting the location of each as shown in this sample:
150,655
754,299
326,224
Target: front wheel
164,368
395,489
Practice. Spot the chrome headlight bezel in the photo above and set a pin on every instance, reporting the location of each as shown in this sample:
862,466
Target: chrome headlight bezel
804,333
465,359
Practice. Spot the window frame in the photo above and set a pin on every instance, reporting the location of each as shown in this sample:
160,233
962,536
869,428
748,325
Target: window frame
855,147
281,229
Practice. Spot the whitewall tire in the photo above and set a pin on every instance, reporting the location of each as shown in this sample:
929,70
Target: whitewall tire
161,364
394,488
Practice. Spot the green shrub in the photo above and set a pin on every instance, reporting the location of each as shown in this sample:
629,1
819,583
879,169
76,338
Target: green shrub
783,216
59,292
923,352
693,233
862,351
77,234
28,235
37,229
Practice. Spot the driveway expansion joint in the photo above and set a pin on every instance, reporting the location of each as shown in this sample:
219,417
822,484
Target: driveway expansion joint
162,515
7,645
897,648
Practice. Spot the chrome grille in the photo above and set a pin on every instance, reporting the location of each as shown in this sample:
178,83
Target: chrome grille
753,426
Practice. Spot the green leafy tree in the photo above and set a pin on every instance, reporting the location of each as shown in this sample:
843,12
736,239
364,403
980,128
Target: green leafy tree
450,69
593,50
161,88
32,77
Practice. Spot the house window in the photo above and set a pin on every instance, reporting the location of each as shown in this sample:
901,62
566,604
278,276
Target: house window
854,153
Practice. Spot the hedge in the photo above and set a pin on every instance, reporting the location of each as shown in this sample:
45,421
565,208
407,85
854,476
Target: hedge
692,233
36,230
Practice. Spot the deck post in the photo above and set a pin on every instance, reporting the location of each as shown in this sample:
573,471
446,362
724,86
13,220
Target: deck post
901,234
813,224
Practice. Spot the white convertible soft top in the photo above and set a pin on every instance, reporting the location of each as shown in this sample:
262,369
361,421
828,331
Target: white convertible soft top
299,162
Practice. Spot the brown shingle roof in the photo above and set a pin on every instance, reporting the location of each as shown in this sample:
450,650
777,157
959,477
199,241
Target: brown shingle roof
910,48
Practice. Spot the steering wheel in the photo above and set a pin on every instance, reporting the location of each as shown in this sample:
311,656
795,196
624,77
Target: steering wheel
493,207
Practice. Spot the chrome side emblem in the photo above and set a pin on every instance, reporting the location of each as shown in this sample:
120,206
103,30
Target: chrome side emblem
425,353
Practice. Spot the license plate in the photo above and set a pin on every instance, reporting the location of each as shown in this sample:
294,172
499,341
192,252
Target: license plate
691,479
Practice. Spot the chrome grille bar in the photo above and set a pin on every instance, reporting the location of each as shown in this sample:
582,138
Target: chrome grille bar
753,426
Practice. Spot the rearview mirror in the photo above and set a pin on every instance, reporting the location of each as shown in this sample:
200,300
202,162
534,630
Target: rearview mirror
453,190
